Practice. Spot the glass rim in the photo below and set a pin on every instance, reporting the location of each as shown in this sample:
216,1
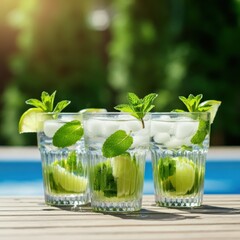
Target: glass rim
59,113
118,116
111,113
180,113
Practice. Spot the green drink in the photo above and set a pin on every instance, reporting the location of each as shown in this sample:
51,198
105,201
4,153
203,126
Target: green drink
60,143
65,176
116,182
118,179
179,146
64,168
179,164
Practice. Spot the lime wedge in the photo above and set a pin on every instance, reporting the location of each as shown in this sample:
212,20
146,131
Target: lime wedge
93,110
126,173
69,181
213,109
184,177
28,121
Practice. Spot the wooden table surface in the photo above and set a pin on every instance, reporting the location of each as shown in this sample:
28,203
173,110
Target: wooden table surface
29,218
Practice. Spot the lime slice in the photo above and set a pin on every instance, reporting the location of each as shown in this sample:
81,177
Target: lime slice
69,181
213,109
125,171
184,177
28,121
93,110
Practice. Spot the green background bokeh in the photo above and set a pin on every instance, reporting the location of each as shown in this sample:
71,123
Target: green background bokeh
94,52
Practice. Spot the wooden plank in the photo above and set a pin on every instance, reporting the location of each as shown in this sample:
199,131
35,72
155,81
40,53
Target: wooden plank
146,233
28,218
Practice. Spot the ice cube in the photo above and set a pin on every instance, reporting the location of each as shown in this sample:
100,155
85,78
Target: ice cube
93,127
100,128
140,141
185,129
147,124
161,127
51,126
161,137
141,138
165,118
174,143
187,141
94,142
130,126
108,128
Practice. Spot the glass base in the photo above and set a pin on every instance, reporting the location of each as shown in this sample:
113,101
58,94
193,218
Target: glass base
122,207
184,202
66,200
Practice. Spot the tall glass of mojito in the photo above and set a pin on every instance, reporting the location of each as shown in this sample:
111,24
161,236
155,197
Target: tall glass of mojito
116,145
179,146
64,163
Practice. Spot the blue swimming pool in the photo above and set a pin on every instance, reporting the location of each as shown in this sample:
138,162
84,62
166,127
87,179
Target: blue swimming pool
25,177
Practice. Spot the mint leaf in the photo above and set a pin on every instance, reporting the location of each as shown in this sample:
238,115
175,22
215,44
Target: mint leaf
61,105
103,179
203,129
205,108
192,102
178,110
48,100
138,107
166,167
72,160
36,103
193,105
124,108
133,99
47,103
68,134
116,144
73,165
147,102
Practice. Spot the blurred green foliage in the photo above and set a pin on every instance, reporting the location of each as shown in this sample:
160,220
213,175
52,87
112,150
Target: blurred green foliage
143,54
57,50
180,47
171,47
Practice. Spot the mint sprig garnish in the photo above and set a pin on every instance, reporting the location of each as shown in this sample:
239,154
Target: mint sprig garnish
193,104
68,134
116,144
138,107
119,142
47,103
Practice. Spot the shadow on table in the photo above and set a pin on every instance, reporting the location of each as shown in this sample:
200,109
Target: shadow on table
148,215
143,214
84,208
208,209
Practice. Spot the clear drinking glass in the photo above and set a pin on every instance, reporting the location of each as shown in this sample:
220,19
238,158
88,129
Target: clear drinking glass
65,176
179,146
116,183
